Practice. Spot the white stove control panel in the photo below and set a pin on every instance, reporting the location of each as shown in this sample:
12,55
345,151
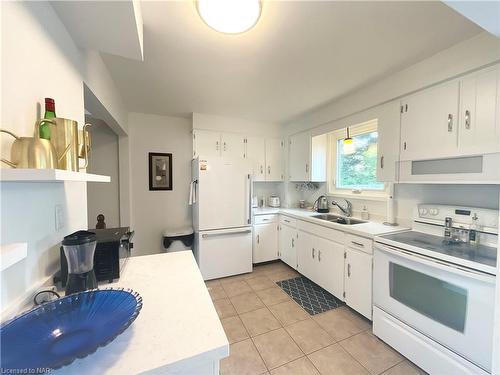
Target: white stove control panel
436,214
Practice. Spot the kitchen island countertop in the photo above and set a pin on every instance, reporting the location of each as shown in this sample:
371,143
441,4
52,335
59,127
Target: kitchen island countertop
177,328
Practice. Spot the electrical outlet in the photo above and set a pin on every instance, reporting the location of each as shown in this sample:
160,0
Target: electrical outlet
59,215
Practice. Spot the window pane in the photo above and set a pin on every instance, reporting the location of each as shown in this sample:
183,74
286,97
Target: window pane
440,301
357,163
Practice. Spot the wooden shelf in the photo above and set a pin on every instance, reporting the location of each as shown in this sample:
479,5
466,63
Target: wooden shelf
48,175
12,253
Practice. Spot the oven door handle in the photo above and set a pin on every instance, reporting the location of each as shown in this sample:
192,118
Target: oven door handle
431,262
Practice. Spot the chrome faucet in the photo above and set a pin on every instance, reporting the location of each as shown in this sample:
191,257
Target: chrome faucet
347,210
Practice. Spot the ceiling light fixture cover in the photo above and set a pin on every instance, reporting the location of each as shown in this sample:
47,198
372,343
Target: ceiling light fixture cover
229,16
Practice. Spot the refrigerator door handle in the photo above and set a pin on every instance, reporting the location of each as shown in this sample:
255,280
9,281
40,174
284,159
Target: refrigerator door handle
205,235
249,197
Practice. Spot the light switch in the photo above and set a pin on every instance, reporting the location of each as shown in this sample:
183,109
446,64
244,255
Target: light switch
59,215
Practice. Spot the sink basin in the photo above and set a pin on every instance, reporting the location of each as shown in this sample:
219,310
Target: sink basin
339,219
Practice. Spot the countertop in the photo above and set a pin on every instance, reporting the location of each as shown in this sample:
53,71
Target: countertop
177,324
369,229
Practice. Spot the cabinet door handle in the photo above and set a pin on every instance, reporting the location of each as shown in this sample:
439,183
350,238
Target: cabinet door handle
293,243
261,169
268,169
348,270
258,238
450,123
307,168
467,119
225,146
357,243
312,252
382,162
217,145
319,255
404,145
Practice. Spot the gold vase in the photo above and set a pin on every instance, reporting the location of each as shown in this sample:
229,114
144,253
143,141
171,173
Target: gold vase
64,137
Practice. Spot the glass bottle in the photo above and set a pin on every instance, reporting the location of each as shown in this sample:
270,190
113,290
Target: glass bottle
50,112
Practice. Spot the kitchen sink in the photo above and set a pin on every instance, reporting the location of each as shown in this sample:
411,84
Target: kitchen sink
338,219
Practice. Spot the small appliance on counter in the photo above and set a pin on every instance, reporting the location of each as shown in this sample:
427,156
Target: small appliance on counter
112,250
273,201
78,250
321,205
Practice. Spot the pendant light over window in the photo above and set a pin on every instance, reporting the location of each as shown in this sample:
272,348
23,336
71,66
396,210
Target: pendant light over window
229,16
348,143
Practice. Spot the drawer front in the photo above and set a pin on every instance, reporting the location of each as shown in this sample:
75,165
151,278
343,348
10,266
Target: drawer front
265,219
286,220
321,231
359,243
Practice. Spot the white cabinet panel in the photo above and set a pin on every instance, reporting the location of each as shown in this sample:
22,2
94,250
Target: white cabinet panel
358,281
256,154
479,129
305,255
265,243
299,148
429,123
232,146
206,143
287,245
388,128
317,168
274,160
330,266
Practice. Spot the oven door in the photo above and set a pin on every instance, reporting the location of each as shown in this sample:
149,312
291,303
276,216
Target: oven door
452,305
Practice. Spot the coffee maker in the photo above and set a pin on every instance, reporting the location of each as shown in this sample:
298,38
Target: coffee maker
79,249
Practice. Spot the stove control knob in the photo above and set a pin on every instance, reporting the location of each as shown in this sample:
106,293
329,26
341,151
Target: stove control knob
434,211
423,211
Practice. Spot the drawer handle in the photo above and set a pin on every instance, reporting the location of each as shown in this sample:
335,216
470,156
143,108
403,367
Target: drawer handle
293,243
312,252
348,270
258,238
265,219
319,255
286,221
357,243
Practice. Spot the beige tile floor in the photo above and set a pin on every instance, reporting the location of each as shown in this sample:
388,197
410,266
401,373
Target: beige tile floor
271,334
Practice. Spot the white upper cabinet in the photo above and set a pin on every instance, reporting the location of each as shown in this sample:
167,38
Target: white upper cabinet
388,128
206,143
429,123
307,157
479,131
274,160
256,154
232,146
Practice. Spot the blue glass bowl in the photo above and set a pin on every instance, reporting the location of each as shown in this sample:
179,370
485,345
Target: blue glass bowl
56,333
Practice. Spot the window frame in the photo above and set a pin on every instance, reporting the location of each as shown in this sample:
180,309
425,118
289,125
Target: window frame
333,138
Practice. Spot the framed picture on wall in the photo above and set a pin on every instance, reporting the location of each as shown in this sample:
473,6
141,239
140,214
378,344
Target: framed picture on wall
160,171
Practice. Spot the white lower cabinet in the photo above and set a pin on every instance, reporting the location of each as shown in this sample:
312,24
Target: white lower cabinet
322,261
358,281
265,242
287,245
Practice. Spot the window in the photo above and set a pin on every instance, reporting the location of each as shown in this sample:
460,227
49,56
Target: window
354,166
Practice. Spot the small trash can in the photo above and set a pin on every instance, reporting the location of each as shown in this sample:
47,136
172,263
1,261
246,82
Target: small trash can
178,239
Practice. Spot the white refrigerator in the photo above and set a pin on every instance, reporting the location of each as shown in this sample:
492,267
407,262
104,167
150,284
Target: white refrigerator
221,192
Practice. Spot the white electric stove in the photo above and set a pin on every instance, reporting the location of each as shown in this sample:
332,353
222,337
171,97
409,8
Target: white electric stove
434,291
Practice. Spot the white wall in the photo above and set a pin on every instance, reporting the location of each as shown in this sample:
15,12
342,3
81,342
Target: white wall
103,198
154,211
39,59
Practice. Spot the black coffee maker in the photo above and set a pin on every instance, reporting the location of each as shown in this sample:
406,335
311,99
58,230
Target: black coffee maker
79,249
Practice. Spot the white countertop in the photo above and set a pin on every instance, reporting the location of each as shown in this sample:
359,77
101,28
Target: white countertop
368,229
177,324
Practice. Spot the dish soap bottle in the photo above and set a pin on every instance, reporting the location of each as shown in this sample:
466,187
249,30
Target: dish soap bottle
50,112
365,215
473,235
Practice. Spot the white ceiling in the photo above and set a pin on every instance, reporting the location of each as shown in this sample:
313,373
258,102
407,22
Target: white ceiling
300,55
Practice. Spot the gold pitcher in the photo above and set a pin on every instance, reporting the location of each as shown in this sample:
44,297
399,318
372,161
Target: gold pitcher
84,144
31,152
64,137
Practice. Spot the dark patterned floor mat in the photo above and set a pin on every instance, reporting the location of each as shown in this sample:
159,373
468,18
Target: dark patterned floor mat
313,298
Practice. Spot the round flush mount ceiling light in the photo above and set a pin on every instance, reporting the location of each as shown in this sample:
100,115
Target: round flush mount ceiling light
229,16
